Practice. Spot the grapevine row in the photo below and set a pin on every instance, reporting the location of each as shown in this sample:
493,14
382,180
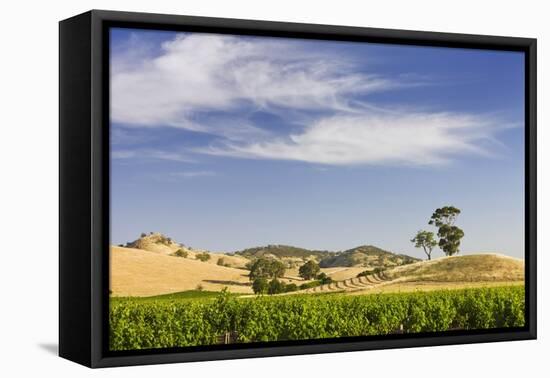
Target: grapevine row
142,325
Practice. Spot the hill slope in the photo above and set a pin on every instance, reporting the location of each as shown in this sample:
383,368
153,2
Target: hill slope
363,256
159,243
464,268
367,256
155,242
483,270
136,272
281,251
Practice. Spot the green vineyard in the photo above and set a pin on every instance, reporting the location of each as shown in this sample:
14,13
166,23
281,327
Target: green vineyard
163,323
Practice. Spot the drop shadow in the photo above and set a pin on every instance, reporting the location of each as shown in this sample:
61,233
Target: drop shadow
51,348
230,283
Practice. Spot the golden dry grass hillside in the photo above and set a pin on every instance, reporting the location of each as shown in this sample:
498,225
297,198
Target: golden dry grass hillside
481,270
343,273
159,243
139,272
136,272
155,264
464,268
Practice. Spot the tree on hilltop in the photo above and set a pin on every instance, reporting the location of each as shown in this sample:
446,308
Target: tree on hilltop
449,235
425,240
449,239
445,215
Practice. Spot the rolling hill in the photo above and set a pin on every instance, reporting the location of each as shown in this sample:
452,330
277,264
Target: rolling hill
282,251
480,270
159,243
137,272
362,256
150,266
462,268
366,256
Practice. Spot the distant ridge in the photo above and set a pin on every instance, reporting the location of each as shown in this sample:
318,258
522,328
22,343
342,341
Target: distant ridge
281,251
367,256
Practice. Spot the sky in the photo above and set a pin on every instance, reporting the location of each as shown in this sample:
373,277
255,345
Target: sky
225,142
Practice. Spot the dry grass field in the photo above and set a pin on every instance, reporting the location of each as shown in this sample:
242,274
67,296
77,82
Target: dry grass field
407,287
343,273
135,272
148,267
463,268
138,272
457,272
158,243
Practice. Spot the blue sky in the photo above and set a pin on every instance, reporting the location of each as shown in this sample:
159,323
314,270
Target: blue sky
227,142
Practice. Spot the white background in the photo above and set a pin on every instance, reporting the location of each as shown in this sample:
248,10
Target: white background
29,186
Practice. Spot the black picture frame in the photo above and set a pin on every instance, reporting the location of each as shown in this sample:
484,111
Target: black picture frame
84,186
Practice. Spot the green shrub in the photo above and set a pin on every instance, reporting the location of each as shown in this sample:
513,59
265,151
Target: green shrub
260,286
291,287
181,253
276,287
368,272
309,285
203,256
324,279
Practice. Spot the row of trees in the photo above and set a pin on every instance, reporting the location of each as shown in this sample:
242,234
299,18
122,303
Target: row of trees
449,235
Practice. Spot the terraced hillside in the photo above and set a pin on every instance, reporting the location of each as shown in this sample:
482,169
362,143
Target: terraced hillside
448,272
352,284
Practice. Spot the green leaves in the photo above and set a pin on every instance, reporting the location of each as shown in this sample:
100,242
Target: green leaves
425,240
309,270
449,234
449,239
266,268
444,215
204,256
181,253
163,324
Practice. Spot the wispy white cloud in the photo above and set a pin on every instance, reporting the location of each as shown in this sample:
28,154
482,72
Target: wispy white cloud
199,72
319,97
150,154
375,138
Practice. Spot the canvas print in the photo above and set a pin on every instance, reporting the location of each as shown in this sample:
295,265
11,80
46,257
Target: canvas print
271,189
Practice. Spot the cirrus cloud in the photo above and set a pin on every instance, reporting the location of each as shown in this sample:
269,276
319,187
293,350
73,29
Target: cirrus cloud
198,73
375,138
317,95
